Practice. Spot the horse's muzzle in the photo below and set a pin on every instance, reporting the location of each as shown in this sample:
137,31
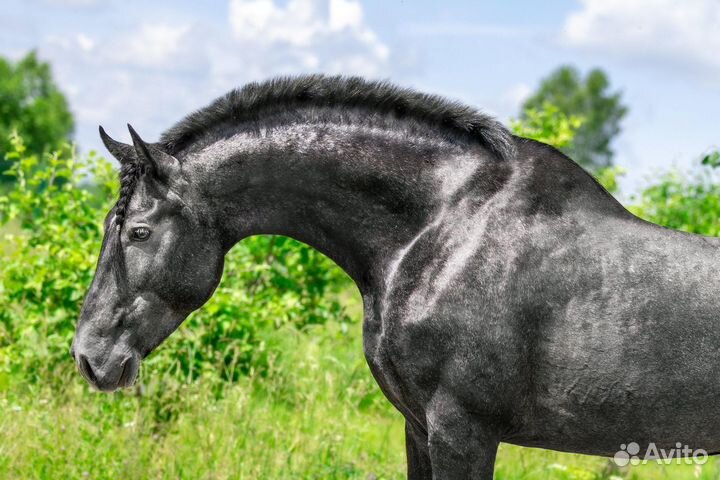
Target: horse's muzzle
114,373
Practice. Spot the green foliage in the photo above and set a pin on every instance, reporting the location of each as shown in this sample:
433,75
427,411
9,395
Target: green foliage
608,177
588,98
548,125
711,159
689,203
49,261
31,104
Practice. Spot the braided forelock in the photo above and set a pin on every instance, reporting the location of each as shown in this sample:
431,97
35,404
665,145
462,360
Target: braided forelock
129,175
130,172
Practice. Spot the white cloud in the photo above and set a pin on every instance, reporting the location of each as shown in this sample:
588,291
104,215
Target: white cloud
159,46
261,21
299,22
683,32
331,29
154,43
345,14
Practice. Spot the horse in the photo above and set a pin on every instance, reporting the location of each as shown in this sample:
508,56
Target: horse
507,296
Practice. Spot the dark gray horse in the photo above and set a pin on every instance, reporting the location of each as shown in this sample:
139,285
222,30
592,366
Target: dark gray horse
508,297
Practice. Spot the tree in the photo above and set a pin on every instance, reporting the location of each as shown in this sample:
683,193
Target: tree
588,98
32,105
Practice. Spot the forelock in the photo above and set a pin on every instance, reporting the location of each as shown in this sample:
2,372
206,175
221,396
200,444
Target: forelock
130,173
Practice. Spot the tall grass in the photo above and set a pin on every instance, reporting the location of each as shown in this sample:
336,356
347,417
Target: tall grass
316,414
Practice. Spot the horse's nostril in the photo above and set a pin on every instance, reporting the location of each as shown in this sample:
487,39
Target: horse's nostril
126,373
86,369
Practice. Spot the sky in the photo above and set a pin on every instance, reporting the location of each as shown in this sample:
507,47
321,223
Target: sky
151,63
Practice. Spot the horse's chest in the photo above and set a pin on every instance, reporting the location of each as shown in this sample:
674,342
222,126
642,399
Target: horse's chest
404,369
461,341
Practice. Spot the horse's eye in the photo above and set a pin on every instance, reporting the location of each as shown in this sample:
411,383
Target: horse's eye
140,233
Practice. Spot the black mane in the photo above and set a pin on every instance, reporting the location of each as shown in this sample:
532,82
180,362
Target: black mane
246,104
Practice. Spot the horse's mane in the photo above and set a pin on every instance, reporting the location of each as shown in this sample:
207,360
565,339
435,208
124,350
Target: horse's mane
247,103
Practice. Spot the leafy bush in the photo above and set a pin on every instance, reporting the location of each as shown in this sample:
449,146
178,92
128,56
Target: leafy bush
685,202
54,215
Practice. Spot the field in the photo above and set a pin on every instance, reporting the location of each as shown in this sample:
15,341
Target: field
316,414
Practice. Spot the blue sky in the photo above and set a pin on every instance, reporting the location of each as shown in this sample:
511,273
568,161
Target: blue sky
149,63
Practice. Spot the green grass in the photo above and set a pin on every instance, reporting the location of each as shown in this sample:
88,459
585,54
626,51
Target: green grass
316,415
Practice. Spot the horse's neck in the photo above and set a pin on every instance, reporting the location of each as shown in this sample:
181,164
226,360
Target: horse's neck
358,194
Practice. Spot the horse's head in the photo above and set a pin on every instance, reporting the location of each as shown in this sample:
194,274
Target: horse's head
160,260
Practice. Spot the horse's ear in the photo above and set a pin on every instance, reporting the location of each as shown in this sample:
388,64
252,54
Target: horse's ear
122,152
159,164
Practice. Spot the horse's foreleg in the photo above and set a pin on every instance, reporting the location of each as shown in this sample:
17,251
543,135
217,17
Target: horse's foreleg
418,455
460,445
